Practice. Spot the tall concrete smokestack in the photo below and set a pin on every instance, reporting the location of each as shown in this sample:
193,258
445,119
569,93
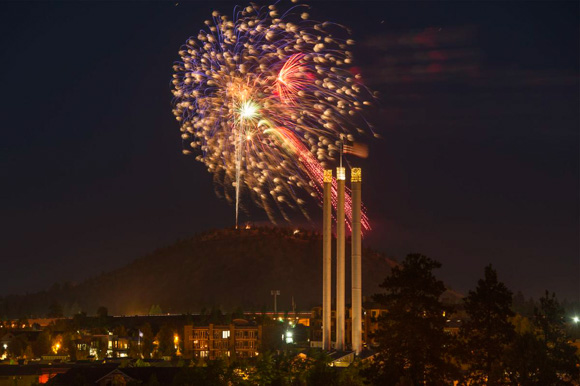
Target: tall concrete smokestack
356,278
340,263
326,261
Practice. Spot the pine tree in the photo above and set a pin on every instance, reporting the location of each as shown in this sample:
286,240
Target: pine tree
561,359
54,310
488,330
165,338
413,347
541,354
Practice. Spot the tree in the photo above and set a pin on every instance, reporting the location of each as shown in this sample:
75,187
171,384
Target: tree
79,321
155,310
561,359
54,310
320,373
102,349
524,358
238,313
120,331
166,345
413,346
17,346
69,344
146,341
42,344
28,354
487,332
540,354
215,315
214,373
102,312
522,306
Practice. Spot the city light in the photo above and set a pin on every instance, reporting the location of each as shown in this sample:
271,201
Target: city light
576,319
289,338
176,343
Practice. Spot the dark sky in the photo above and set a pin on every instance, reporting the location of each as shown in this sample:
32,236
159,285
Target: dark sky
478,161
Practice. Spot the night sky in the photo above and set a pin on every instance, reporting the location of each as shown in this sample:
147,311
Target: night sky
478,161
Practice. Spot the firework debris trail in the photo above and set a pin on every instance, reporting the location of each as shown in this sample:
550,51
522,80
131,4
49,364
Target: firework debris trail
266,101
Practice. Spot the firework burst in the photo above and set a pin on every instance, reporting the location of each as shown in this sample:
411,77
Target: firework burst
265,101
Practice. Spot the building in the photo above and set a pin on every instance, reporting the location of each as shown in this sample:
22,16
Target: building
371,312
239,339
26,375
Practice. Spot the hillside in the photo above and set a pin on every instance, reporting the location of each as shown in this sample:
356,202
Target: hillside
226,268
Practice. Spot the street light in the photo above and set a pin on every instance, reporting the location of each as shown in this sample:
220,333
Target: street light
576,319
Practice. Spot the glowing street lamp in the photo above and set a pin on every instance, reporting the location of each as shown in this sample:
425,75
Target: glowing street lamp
576,319
176,343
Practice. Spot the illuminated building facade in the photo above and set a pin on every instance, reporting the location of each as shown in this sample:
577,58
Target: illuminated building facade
221,341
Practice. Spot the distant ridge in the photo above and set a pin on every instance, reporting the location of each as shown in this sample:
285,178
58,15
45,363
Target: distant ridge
224,268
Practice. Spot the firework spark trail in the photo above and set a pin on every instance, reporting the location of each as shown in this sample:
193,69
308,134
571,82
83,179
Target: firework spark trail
243,84
316,173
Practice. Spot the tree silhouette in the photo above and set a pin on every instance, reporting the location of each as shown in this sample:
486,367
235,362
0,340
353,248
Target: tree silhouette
488,331
102,312
413,346
560,356
165,338
55,310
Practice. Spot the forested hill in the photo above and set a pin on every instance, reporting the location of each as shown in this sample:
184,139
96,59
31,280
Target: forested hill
225,268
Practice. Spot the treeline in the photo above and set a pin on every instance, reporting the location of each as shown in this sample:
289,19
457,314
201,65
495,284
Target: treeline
493,345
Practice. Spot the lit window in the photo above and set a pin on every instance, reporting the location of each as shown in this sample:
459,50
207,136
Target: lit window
225,334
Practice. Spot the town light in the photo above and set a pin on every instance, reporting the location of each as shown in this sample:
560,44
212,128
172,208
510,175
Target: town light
289,338
176,343
576,319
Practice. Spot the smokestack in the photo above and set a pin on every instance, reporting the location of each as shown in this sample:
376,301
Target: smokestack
326,261
340,263
356,278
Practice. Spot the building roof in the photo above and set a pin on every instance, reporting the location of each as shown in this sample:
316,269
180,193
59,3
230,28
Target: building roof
366,354
164,375
11,370
85,374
